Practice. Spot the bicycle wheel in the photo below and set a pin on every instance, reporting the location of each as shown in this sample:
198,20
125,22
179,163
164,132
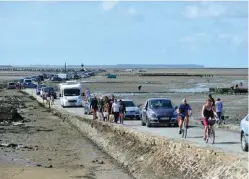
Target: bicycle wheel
207,135
212,135
185,130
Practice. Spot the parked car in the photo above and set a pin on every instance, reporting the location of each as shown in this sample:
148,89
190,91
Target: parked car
244,133
11,85
56,78
27,83
159,111
38,88
132,110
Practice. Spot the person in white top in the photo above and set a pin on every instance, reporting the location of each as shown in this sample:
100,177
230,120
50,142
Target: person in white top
115,110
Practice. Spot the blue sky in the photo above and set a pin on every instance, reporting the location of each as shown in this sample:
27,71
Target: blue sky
214,34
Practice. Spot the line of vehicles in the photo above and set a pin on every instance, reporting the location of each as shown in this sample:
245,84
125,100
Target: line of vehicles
155,111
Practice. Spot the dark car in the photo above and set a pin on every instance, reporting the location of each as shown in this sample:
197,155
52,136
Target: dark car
56,78
158,112
38,88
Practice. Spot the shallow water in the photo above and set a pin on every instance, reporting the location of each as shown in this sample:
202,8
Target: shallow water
190,90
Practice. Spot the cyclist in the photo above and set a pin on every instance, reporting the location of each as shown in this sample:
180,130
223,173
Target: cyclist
184,111
207,112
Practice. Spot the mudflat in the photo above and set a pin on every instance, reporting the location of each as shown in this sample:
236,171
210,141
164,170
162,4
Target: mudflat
40,145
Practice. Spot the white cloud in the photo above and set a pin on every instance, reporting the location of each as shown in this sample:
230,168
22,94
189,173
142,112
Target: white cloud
234,40
224,36
108,5
132,11
215,10
195,38
197,41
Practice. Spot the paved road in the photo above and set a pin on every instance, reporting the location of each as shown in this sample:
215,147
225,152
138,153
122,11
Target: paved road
225,140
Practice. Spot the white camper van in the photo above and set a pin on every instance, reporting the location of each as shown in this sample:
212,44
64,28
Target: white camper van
70,94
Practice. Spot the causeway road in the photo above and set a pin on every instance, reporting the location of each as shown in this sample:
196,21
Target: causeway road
226,141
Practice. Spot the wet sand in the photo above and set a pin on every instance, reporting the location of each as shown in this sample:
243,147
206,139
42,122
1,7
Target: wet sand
50,148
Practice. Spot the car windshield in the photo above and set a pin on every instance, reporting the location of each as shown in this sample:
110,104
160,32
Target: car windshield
46,89
21,80
28,81
129,103
51,89
71,92
154,104
40,86
11,83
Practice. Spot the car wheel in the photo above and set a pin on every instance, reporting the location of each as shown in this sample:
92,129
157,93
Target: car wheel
244,144
148,124
176,125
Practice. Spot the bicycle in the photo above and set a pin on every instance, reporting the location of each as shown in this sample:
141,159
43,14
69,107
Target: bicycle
210,134
184,128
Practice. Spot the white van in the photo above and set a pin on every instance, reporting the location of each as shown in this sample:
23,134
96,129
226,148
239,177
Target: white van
70,95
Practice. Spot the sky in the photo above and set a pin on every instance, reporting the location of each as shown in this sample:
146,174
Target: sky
214,34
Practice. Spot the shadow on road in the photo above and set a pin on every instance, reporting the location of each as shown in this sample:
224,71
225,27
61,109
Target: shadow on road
227,142
196,137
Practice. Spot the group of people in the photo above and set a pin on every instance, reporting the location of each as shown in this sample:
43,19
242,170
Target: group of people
210,109
48,98
19,86
110,110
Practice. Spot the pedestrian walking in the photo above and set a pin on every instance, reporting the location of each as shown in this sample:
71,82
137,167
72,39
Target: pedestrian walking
219,109
94,107
100,108
115,110
122,111
106,109
88,95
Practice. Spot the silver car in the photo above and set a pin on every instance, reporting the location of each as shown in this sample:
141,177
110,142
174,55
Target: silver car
11,85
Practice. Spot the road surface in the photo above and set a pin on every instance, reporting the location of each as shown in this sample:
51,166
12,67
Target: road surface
226,141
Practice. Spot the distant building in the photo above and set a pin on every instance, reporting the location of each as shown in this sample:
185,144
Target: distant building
6,66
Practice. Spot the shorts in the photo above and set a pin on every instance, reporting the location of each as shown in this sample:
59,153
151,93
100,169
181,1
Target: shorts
205,122
183,116
95,110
